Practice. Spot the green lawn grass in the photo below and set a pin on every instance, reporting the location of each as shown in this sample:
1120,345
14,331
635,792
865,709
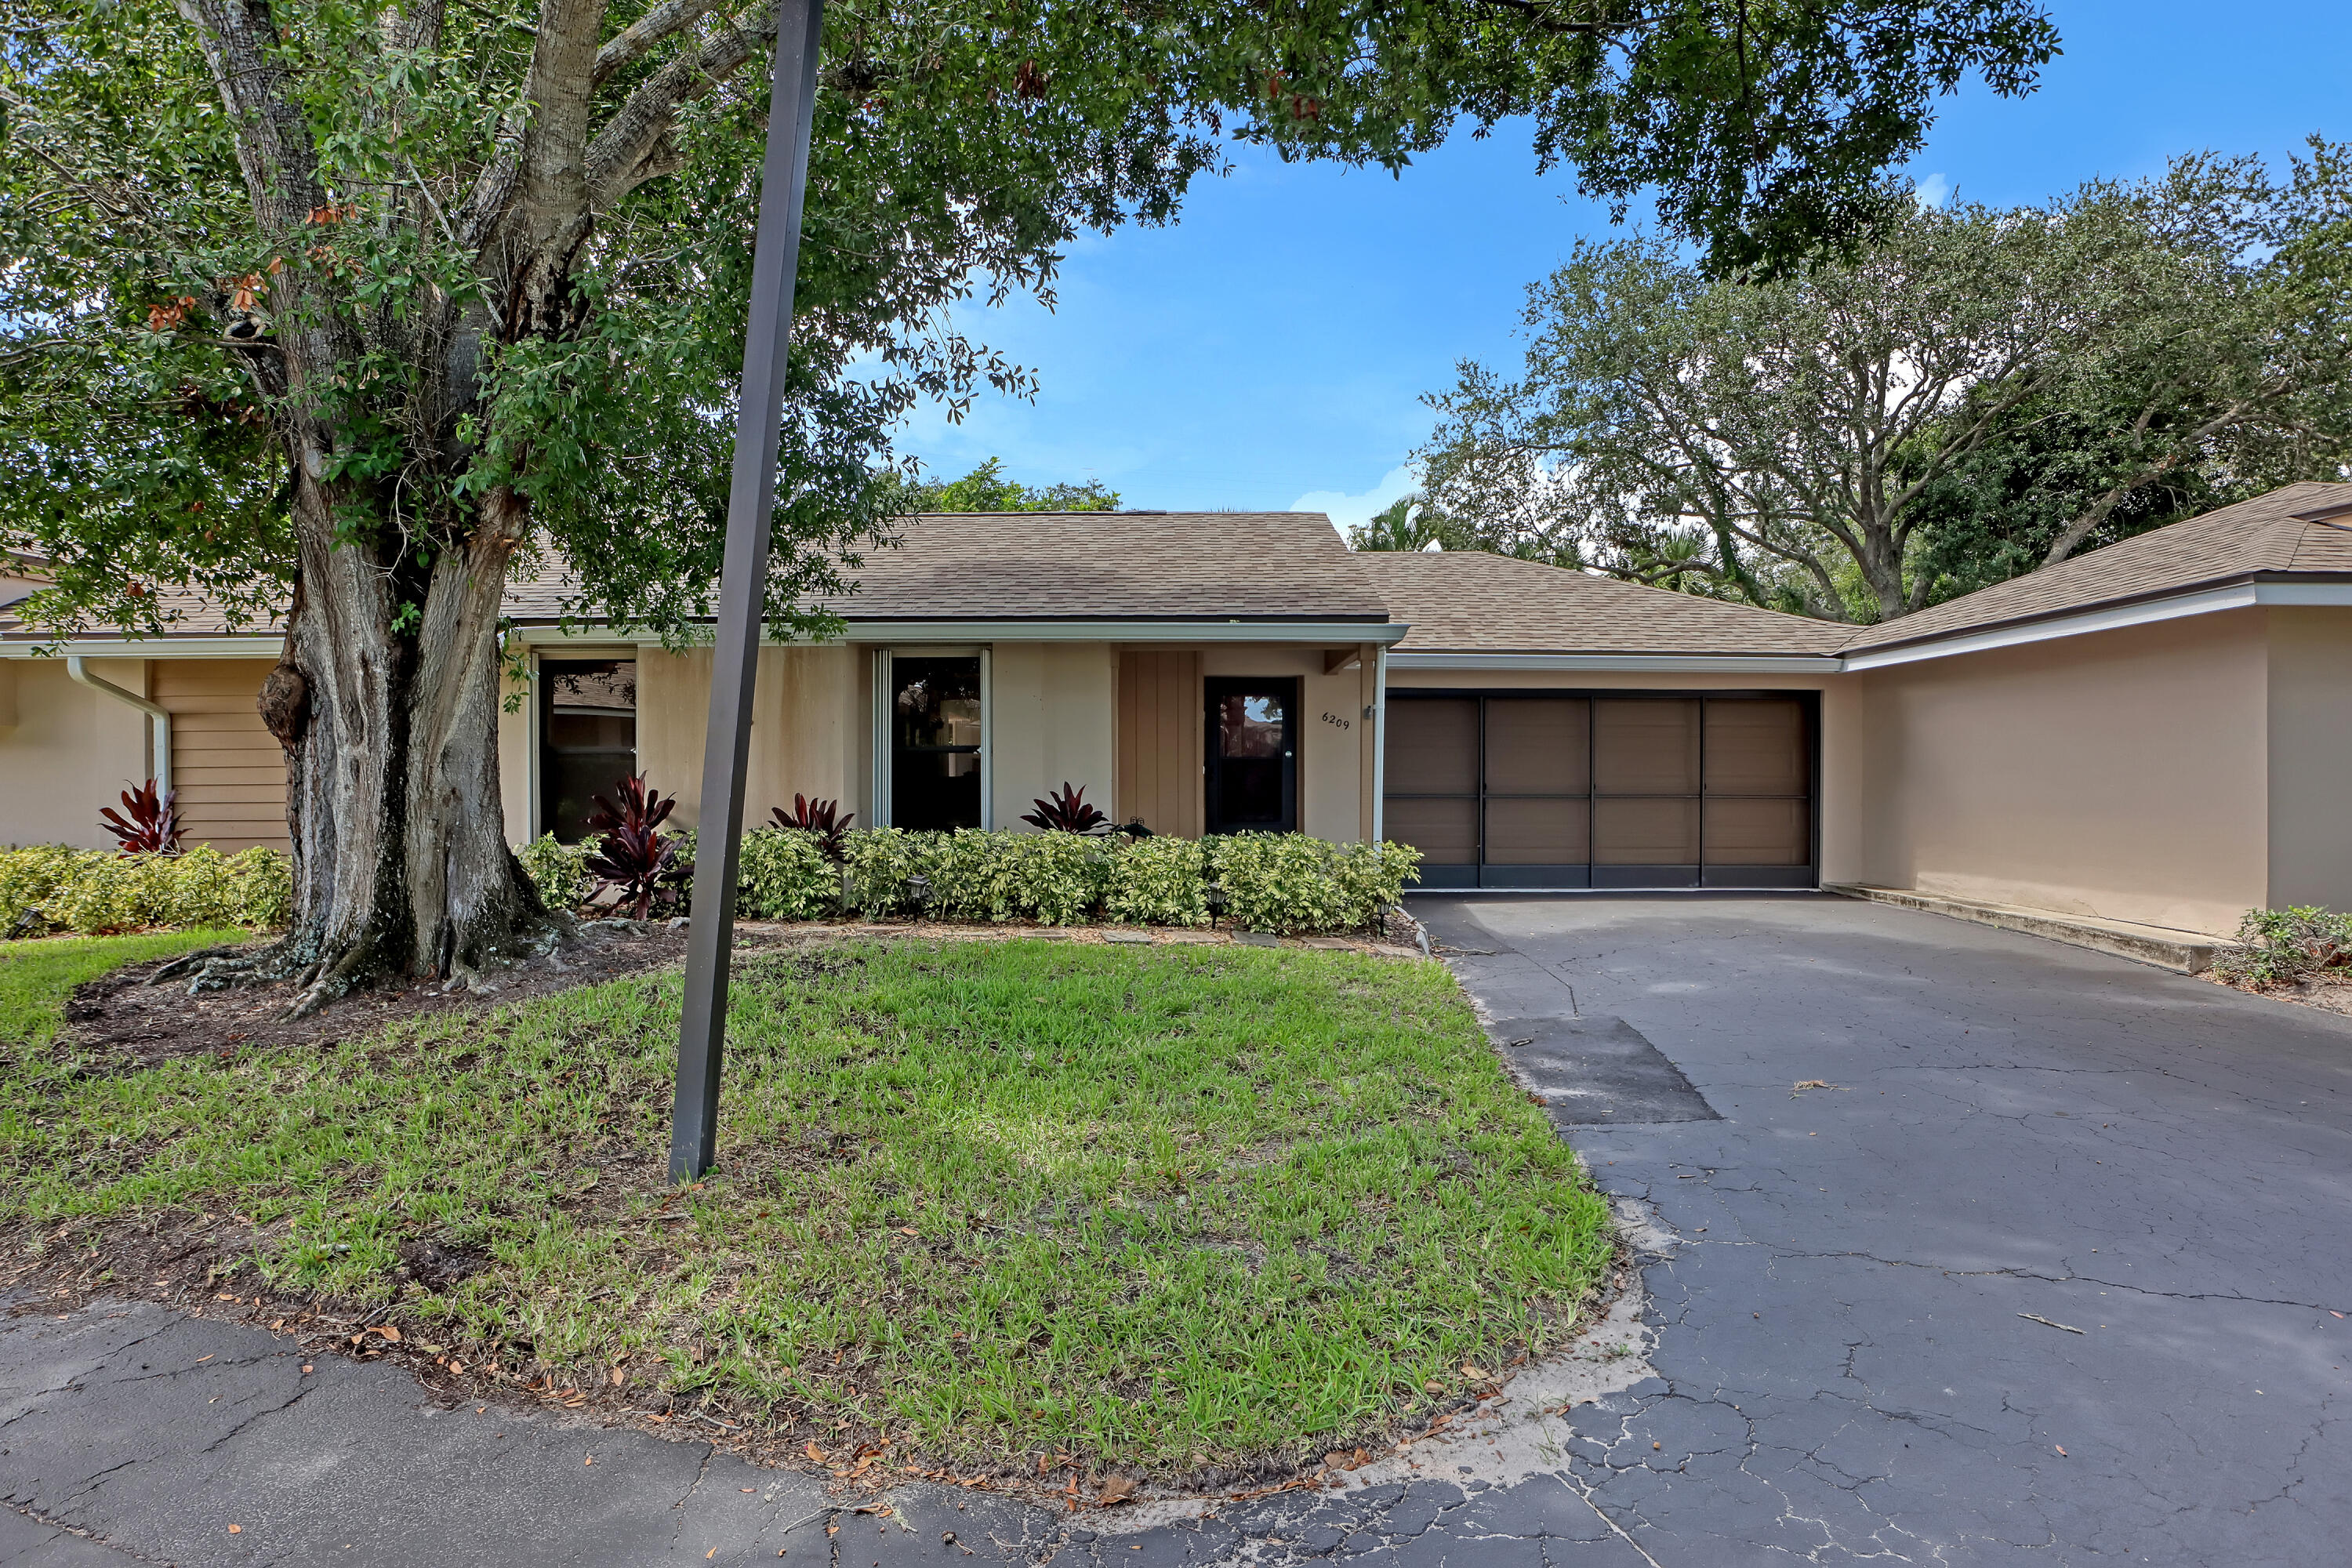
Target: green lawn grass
1163,1207
37,977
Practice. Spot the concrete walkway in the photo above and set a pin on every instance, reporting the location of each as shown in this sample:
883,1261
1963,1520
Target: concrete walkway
1837,1363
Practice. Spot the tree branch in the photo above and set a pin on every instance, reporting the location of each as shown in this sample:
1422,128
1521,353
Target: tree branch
626,154
631,42
2084,526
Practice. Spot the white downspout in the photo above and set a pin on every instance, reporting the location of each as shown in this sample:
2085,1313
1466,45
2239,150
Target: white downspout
1379,743
78,668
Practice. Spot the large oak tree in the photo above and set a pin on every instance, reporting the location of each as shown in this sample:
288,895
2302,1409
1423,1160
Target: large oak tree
356,308
1974,392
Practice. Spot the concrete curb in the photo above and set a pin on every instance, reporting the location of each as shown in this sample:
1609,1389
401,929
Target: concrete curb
2183,952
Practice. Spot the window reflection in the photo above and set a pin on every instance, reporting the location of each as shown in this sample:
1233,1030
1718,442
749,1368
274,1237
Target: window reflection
1251,725
935,760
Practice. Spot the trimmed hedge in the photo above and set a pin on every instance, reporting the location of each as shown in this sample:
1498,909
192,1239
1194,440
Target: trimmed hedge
49,887
1283,882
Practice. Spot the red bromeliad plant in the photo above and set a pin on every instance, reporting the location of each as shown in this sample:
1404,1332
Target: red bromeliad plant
150,828
822,818
1065,810
633,855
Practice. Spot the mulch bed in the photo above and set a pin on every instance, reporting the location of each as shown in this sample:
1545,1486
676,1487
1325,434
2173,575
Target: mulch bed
127,1023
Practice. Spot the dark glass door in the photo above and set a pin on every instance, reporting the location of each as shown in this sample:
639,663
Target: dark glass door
1252,756
587,738
934,742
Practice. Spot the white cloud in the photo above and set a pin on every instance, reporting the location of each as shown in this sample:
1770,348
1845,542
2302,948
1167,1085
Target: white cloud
1347,512
1932,191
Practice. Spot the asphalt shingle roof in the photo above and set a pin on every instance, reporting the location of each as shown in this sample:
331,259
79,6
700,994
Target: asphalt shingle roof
1466,601
1180,566
1111,565
2287,530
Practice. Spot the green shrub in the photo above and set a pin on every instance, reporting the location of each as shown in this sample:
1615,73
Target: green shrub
2284,946
784,876
52,888
1285,882
557,870
1371,877
1160,881
880,861
1290,882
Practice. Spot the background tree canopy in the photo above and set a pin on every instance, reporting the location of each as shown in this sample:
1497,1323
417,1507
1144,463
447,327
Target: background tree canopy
1973,393
986,489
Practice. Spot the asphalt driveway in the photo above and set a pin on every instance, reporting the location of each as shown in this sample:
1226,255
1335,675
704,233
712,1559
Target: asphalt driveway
2046,1269
1857,1284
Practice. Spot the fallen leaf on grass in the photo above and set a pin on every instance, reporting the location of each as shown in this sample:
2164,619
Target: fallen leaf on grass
815,1454
1434,1386
391,1335
1115,1490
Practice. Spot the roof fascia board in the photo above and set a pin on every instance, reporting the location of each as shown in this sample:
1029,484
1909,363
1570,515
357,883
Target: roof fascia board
266,646
1231,631
2146,612
1632,663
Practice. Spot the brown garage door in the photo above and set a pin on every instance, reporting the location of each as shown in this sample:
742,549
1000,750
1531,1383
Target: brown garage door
1593,790
229,772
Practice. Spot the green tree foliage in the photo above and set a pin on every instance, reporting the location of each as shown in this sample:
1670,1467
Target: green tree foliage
1976,393
362,305
986,489
1409,522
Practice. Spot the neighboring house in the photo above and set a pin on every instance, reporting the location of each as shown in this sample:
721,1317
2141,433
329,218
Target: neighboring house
2158,732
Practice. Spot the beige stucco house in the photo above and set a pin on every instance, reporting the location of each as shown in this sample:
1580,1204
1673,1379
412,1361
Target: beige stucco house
2156,732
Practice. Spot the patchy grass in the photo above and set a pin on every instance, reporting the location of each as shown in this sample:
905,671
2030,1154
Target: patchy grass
1178,1209
37,977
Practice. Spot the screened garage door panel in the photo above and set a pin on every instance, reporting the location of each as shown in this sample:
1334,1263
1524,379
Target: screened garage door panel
1606,790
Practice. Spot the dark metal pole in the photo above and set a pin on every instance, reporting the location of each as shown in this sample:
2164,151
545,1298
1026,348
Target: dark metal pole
742,585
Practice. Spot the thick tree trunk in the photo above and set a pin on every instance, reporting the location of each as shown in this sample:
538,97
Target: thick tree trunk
401,862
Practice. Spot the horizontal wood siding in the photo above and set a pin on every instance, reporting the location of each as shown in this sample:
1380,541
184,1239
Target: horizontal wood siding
229,772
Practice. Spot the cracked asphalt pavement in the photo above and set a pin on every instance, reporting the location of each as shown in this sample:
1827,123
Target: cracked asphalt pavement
1858,1337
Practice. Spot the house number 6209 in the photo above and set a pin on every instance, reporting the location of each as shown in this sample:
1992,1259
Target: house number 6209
1334,722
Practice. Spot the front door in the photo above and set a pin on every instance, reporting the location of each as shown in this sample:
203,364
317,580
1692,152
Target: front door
1252,754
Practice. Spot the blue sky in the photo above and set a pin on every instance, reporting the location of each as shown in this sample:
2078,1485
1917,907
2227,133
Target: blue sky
1270,350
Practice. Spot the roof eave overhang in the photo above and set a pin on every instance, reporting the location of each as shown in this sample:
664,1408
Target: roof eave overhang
2266,589
1618,663
227,646
1163,630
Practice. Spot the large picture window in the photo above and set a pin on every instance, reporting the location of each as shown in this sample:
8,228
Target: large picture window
935,741
1591,790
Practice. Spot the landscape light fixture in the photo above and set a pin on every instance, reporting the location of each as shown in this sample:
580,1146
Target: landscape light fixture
1216,895
742,588
918,888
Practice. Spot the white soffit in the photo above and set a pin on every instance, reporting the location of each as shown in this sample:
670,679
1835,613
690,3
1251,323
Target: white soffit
967,633
1622,663
150,648
2235,597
